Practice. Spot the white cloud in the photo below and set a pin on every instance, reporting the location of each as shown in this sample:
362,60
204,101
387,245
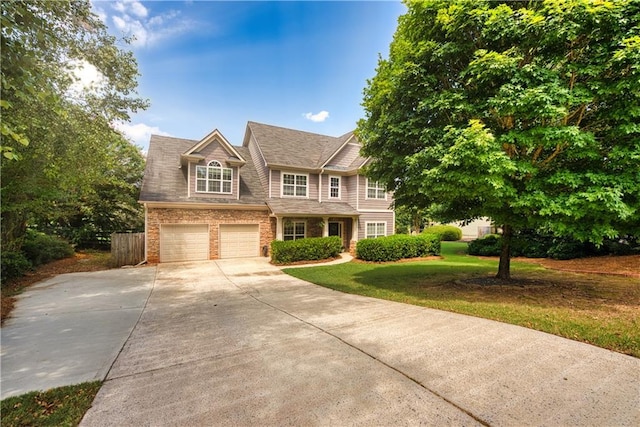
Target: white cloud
139,133
133,19
320,117
139,10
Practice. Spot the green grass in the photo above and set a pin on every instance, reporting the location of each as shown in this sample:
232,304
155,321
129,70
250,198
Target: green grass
62,406
597,309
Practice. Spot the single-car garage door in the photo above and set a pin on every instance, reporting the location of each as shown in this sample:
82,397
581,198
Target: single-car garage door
184,242
239,240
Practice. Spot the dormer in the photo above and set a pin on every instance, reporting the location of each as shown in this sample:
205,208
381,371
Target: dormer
212,168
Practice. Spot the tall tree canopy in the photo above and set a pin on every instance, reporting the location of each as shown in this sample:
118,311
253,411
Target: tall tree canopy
61,157
525,112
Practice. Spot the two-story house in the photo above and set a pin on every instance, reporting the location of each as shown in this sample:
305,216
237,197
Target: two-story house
209,199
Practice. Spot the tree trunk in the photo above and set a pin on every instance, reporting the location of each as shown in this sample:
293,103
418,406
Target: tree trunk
504,268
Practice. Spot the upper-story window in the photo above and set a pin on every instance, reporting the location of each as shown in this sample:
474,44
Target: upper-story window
375,190
334,187
213,178
294,185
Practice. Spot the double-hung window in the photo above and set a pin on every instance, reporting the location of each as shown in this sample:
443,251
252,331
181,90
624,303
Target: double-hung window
294,230
375,190
294,185
213,178
334,187
376,229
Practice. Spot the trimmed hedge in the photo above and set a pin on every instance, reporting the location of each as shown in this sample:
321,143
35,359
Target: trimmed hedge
398,246
447,233
309,249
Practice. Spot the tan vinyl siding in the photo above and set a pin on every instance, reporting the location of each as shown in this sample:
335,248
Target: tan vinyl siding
364,203
258,162
346,156
366,217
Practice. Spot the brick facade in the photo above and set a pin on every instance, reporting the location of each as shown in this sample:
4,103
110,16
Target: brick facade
213,217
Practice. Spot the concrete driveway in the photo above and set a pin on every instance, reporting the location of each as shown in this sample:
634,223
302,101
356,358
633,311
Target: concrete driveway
70,328
240,343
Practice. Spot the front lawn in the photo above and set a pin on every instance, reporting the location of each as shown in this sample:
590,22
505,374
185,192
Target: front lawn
62,406
597,309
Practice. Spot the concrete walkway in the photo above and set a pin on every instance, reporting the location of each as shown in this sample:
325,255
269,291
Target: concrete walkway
241,343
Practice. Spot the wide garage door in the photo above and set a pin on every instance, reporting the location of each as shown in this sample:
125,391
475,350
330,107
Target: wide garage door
237,241
184,242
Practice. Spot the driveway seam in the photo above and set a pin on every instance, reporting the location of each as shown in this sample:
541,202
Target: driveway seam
144,307
414,380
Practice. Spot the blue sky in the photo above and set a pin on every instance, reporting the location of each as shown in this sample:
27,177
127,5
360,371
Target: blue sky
208,65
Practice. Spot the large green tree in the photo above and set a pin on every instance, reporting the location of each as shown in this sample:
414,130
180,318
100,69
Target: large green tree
59,148
525,112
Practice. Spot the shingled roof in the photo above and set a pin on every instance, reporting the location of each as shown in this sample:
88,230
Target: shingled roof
165,181
294,148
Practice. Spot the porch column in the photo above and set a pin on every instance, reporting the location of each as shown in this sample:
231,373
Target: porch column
279,235
354,229
325,229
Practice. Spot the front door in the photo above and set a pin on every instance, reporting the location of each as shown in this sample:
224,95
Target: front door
335,229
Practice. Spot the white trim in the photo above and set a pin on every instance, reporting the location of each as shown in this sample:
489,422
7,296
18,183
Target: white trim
282,195
208,205
270,182
335,153
320,186
189,180
237,184
376,210
210,138
222,180
366,225
377,188
339,197
358,192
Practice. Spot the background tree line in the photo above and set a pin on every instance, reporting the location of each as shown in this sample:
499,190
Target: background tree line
65,169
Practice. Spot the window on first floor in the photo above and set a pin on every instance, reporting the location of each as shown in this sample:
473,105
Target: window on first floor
375,190
376,229
213,178
294,185
294,230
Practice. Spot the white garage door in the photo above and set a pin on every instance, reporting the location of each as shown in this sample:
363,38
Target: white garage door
184,242
237,241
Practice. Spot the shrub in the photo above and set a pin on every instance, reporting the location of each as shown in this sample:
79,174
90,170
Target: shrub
309,249
40,248
447,233
398,246
567,250
14,264
488,245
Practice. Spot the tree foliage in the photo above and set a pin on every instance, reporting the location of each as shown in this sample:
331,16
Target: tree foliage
528,113
61,157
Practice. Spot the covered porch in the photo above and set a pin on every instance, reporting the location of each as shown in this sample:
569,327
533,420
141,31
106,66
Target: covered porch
296,219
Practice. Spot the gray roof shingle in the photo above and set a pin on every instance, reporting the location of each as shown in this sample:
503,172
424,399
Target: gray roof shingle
295,148
310,207
165,181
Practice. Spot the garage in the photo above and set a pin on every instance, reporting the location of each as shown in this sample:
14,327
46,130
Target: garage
184,242
239,240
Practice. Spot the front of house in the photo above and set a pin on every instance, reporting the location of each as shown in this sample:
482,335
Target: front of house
209,199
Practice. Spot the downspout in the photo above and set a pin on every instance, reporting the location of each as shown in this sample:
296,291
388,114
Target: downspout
320,185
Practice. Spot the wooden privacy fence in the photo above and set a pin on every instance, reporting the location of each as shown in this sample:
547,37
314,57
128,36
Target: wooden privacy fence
127,248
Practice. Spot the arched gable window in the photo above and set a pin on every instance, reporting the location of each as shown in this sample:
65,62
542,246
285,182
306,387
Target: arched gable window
213,178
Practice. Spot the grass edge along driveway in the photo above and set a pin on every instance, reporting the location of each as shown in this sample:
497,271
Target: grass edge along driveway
596,309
